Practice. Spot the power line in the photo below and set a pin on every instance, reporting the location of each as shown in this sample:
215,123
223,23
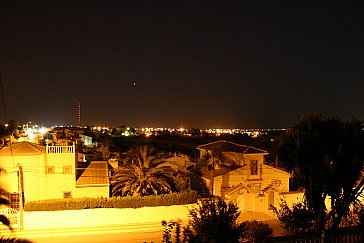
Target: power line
3,98
20,169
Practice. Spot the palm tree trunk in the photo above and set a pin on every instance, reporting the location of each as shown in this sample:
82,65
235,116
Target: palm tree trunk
212,178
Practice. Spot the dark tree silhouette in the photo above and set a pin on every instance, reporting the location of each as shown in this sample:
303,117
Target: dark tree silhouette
326,156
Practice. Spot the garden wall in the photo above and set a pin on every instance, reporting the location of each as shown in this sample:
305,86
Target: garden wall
104,217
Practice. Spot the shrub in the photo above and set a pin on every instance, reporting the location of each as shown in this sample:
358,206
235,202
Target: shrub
257,231
213,220
167,232
354,217
296,220
181,198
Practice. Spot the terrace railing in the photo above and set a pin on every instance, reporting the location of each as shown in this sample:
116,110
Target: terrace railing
58,149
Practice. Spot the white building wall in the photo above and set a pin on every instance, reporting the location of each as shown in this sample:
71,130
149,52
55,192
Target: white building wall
61,181
274,175
39,185
33,175
104,216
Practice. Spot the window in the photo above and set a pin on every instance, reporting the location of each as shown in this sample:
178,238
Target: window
254,167
67,194
14,200
50,169
67,169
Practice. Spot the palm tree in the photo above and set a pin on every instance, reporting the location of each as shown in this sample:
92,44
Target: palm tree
140,175
144,156
212,159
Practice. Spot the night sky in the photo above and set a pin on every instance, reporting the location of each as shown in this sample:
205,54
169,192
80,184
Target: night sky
235,64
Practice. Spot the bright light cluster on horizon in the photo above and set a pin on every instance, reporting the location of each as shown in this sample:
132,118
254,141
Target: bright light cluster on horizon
32,132
100,128
29,130
216,131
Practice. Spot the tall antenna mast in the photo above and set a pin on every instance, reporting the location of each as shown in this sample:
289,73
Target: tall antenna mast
79,113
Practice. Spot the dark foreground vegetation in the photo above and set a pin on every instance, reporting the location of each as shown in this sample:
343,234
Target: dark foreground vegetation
215,220
326,157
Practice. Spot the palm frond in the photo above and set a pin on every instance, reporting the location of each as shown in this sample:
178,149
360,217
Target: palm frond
141,176
4,220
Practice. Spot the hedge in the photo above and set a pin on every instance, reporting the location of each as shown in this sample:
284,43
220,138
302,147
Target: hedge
180,198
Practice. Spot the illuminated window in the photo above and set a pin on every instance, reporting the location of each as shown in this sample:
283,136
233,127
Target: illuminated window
67,169
67,194
50,169
254,167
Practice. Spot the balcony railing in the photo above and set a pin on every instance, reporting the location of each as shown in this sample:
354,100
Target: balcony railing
57,149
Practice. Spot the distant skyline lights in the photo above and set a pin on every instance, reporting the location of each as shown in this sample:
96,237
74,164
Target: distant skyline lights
31,130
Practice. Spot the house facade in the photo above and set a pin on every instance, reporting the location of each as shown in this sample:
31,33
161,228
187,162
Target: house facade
242,177
48,172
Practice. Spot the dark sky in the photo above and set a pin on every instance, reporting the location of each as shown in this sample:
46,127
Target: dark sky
245,64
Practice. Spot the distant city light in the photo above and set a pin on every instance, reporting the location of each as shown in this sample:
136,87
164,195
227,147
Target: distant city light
42,130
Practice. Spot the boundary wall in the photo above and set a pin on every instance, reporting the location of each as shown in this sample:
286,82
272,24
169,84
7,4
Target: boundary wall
104,217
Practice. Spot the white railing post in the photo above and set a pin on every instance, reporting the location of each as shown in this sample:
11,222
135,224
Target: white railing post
56,149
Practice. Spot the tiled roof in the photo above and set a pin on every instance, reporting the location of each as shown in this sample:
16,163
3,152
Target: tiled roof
252,150
267,188
236,188
22,149
95,174
226,146
218,172
179,161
